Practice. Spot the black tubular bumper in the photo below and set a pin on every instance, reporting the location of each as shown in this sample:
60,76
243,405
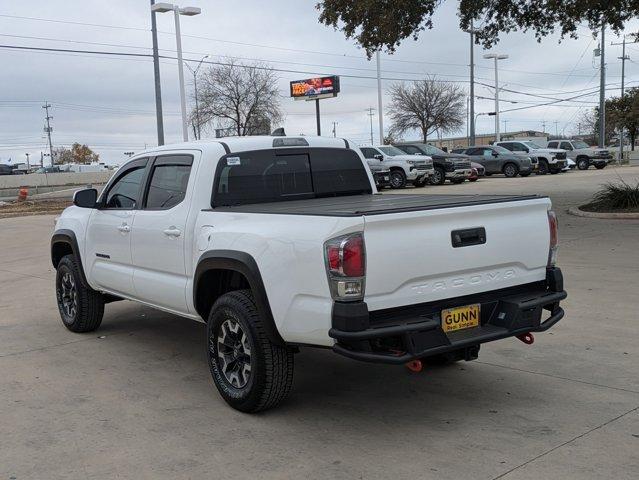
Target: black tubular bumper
398,335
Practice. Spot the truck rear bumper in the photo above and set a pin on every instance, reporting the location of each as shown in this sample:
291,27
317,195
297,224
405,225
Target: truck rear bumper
397,336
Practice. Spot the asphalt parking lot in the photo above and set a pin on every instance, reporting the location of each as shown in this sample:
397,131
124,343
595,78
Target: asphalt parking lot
135,399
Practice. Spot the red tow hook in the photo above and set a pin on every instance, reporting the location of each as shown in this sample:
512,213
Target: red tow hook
527,338
415,366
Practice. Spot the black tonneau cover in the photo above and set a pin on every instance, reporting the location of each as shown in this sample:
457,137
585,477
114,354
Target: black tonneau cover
357,205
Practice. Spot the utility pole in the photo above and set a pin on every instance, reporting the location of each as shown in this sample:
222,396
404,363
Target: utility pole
623,59
543,126
467,122
379,100
556,130
505,126
335,129
370,114
496,57
472,84
48,129
602,89
198,130
156,75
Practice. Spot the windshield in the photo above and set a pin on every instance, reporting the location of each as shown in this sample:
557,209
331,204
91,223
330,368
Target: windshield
499,149
532,145
390,150
580,144
430,150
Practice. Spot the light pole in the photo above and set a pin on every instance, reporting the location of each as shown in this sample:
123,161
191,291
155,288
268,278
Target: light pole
496,57
177,11
198,130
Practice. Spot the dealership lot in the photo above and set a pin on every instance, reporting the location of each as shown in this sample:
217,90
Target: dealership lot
135,399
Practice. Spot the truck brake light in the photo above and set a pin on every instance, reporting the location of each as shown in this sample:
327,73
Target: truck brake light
345,258
553,227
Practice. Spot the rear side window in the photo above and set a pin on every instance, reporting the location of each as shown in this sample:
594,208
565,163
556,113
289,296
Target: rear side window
263,176
168,186
552,144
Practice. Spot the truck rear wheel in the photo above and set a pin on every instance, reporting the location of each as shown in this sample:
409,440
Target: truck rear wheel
81,308
250,372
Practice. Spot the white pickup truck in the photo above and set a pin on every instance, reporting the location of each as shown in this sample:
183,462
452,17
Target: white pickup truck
279,243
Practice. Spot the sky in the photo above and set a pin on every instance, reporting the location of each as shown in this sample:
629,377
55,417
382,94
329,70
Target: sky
108,102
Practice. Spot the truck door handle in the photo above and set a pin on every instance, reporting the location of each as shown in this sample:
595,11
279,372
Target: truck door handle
468,236
124,228
172,232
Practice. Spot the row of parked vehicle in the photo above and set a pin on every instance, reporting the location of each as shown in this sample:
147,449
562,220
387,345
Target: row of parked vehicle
401,164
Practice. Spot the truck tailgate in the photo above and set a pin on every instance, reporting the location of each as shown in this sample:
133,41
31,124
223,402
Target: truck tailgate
411,258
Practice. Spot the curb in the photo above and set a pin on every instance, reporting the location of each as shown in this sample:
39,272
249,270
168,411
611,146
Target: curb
617,216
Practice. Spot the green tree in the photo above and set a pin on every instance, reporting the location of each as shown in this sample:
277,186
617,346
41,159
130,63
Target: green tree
386,23
623,112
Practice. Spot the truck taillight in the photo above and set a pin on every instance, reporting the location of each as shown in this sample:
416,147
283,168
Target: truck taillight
345,258
554,238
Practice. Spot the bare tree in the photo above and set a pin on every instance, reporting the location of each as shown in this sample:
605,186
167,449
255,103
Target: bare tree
427,106
238,97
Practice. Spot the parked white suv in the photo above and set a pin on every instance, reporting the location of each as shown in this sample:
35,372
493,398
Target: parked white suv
281,243
583,154
552,160
404,168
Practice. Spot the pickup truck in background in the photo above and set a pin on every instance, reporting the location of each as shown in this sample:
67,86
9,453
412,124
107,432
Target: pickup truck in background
281,243
448,166
403,168
583,154
381,176
551,160
496,160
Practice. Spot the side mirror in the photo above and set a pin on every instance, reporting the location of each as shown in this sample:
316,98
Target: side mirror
86,198
378,157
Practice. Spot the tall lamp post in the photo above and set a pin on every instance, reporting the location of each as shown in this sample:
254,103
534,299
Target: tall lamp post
177,11
198,130
496,57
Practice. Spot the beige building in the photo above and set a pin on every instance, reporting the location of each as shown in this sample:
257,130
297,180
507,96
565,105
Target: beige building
489,138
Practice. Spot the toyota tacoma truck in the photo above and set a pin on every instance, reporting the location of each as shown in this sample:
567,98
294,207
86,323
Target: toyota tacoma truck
583,154
281,243
448,166
550,160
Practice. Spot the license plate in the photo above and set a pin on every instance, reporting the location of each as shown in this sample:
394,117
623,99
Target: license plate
386,178
460,318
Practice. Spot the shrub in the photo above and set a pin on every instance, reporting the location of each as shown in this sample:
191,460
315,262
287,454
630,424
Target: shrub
617,196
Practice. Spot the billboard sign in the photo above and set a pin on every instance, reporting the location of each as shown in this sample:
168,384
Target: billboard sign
313,88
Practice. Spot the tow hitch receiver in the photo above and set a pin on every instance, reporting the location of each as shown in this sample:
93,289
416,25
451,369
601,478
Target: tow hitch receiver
527,338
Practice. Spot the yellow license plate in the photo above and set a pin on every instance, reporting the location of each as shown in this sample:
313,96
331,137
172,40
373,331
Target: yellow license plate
460,318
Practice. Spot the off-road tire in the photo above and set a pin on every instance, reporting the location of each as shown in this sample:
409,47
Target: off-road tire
88,304
271,366
397,179
510,170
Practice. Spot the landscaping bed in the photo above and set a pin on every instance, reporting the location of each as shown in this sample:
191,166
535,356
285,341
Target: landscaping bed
31,207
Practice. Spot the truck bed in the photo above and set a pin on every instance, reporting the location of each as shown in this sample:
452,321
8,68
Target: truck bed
357,205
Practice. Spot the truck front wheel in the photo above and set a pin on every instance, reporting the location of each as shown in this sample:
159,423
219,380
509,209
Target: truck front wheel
397,179
250,372
583,163
439,176
543,168
81,308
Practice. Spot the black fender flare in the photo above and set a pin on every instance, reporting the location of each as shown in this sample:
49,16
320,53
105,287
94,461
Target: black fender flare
68,237
246,265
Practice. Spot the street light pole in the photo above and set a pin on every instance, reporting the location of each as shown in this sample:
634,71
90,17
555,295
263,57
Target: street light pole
496,57
379,100
602,89
177,11
156,75
198,129
472,83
